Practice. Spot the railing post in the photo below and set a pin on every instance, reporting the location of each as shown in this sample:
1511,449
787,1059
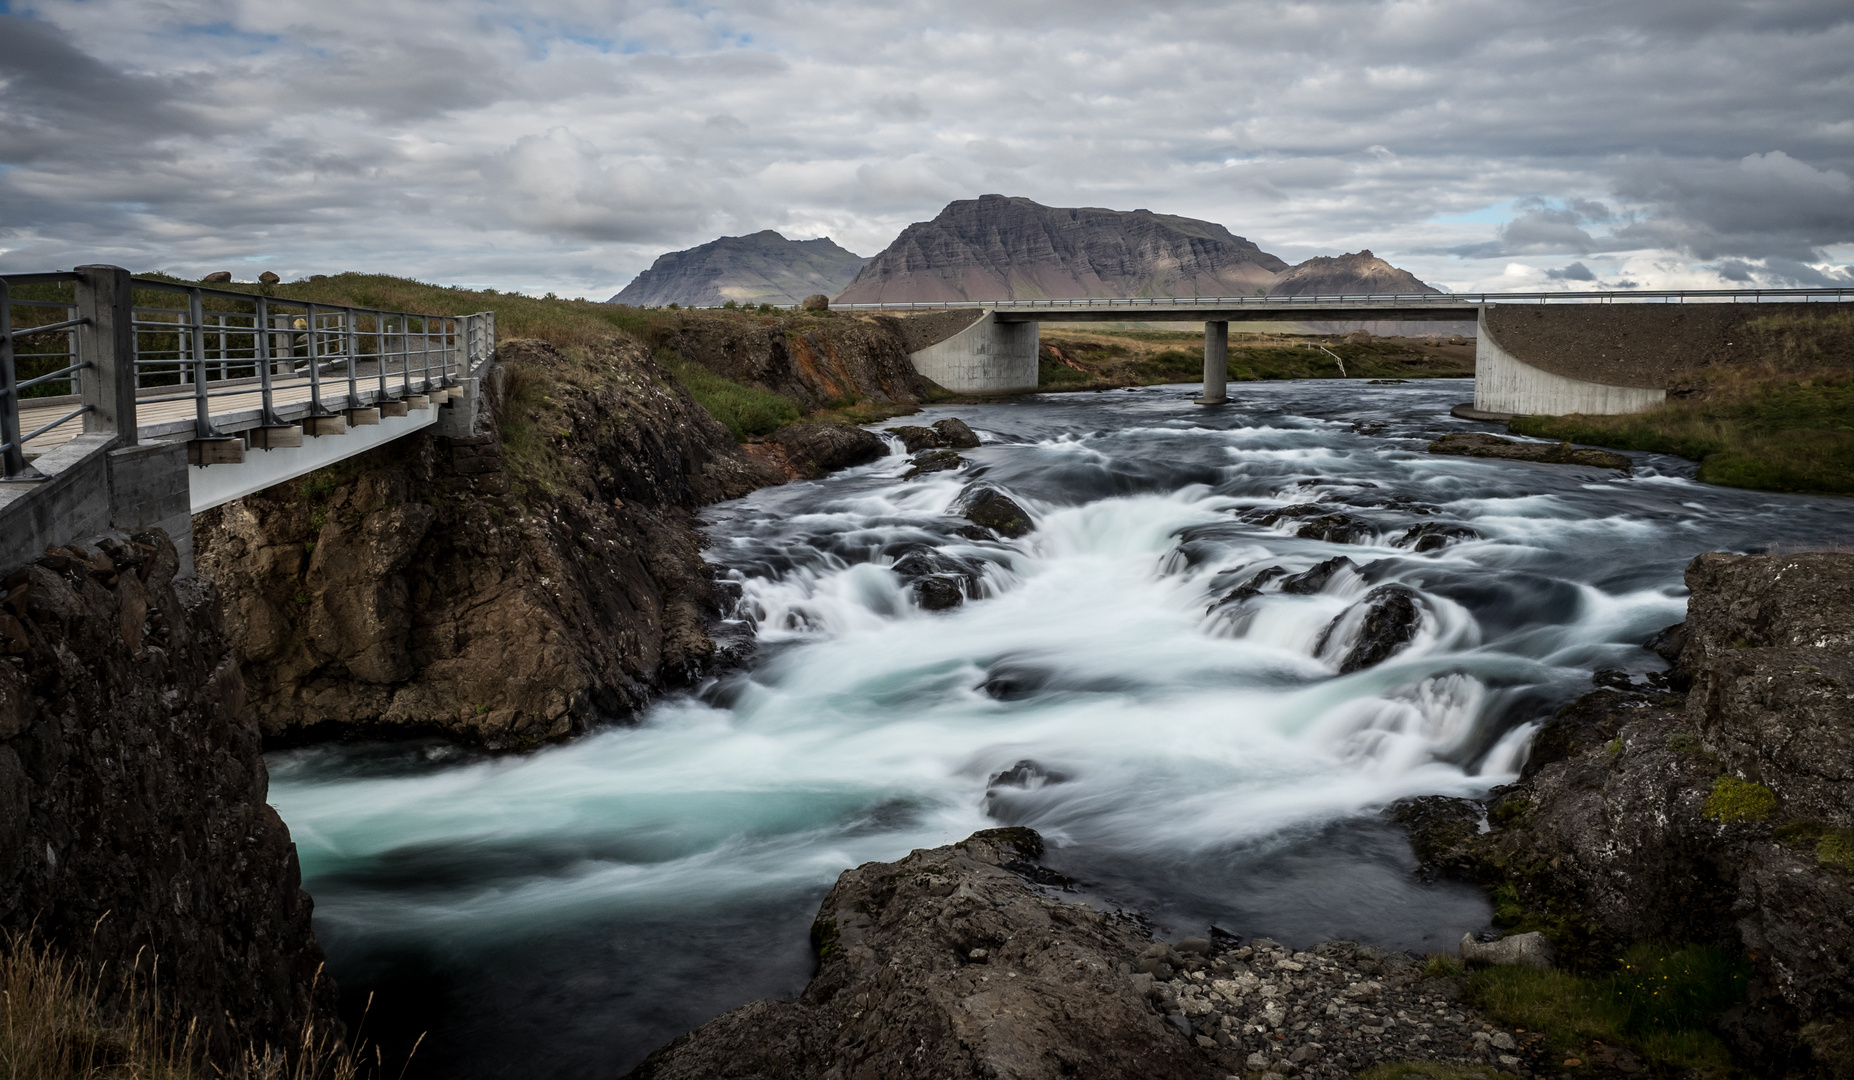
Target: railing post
106,342
351,336
13,458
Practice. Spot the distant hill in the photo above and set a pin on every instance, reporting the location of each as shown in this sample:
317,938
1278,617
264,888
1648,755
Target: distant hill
764,268
1000,248
1346,275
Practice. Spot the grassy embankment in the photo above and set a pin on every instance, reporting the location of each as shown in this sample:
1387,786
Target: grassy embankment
57,1023
1109,358
1784,422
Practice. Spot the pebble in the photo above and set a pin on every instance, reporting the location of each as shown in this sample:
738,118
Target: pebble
1267,1010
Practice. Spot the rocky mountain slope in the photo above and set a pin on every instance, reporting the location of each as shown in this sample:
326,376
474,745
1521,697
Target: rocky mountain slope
764,267
1347,275
1000,248
133,823
995,247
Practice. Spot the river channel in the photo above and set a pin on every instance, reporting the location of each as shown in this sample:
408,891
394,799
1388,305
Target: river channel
559,914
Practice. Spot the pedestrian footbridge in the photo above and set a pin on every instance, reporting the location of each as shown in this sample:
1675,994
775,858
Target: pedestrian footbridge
127,403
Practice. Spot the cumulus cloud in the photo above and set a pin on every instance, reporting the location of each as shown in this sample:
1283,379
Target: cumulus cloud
563,144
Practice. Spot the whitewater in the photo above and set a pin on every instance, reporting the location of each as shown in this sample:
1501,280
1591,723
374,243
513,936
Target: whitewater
563,912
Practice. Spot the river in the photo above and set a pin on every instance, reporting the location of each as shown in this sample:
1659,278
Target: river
559,914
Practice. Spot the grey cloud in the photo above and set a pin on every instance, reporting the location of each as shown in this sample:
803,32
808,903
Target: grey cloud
1575,272
1767,205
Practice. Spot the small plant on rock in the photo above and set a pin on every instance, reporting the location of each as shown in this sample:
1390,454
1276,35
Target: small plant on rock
1733,799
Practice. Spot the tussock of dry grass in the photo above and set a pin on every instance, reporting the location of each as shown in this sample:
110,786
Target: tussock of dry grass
57,1022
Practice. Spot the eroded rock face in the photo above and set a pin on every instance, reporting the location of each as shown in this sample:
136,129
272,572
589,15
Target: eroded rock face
813,361
1619,832
945,964
812,450
429,586
132,794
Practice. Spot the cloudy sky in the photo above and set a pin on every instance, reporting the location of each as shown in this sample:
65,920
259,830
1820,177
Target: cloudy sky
563,144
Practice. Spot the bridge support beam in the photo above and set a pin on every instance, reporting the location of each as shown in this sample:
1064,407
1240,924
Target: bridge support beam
1216,364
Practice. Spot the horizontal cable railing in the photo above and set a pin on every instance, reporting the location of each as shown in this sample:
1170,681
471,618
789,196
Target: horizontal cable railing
241,360
39,322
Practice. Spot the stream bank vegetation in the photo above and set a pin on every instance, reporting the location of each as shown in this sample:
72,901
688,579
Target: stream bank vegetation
61,1020
1105,359
1783,422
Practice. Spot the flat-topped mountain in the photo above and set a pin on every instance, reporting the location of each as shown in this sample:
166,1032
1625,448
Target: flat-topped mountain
764,268
1347,275
999,248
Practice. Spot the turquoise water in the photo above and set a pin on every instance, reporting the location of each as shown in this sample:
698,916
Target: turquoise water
561,913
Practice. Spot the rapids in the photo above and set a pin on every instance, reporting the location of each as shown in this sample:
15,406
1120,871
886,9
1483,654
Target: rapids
560,914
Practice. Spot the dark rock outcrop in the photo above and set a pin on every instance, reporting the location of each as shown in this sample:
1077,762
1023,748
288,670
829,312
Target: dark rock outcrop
1478,444
1337,529
945,964
1387,620
954,433
811,450
933,461
1721,818
939,580
1316,578
993,509
916,438
500,592
133,820
1434,536
763,268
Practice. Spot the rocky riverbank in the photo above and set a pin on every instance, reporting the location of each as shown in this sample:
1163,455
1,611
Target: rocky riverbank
1719,816
134,827
967,961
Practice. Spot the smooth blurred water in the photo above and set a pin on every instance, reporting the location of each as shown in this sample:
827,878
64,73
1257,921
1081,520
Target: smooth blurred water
561,914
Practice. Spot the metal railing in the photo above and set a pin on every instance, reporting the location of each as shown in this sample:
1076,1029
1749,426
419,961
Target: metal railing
56,357
1366,300
243,359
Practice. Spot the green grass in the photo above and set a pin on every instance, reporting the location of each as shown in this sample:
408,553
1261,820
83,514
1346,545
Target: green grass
1658,1002
1781,422
1776,437
745,410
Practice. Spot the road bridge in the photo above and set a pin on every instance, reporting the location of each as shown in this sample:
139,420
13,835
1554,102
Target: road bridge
998,351
128,403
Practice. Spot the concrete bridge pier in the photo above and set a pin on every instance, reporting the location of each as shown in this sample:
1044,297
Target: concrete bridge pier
1216,364
991,355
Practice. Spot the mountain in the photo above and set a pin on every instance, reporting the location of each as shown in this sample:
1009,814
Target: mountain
1347,275
1000,248
764,268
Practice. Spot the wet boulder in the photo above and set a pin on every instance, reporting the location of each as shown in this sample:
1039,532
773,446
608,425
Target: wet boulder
1434,536
1315,579
1250,588
1271,515
932,461
998,512
816,449
1337,529
1519,950
953,432
916,438
1667,642
939,580
1480,444
1392,614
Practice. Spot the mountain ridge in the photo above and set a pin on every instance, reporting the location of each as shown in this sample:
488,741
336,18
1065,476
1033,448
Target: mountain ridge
758,268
